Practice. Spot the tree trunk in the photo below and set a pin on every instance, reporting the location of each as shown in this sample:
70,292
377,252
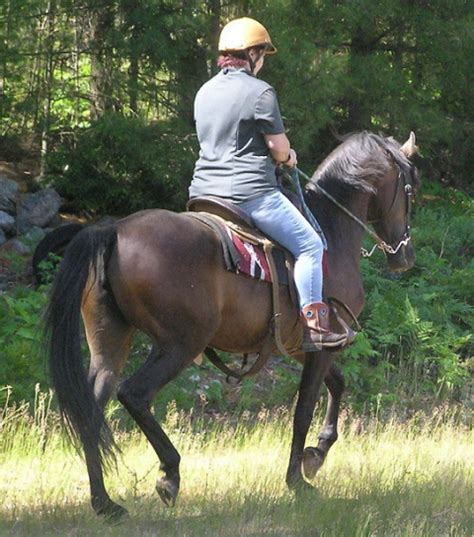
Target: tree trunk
215,8
359,112
102,20
48,82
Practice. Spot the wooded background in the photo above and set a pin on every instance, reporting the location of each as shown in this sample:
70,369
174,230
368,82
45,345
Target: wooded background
103,90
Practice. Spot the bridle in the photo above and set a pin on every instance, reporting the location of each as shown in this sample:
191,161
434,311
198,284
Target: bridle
403,174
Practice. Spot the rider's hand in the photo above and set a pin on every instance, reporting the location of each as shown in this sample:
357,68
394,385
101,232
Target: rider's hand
292,159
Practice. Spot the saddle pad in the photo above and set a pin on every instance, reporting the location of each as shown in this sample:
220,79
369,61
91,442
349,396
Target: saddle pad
250,259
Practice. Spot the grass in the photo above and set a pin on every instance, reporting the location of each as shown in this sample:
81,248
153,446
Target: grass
381,478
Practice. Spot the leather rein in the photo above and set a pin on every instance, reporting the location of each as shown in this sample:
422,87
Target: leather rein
379,242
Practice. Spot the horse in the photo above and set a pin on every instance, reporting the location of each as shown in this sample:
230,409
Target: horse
163,273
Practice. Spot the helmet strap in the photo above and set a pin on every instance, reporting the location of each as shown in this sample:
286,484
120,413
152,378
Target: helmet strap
250,60
253,63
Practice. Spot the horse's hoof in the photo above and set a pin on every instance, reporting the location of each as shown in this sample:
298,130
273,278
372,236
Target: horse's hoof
303,488
167,490
113,513
313,459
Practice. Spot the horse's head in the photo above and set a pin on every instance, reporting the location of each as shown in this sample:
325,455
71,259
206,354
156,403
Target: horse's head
390,207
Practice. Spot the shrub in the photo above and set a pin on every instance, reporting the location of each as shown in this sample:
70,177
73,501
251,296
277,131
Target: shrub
417,340
121,165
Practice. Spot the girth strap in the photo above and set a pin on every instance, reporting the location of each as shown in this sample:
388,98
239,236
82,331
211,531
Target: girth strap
268,248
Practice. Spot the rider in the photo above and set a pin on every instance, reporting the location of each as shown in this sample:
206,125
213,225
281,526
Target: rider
242,139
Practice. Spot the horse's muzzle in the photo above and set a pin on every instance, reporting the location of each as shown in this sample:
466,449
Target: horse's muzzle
403,260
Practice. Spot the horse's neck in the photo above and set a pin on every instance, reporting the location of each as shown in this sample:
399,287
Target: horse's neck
343,234
344,238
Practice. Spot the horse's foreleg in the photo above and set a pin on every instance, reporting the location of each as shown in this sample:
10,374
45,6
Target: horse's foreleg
136,394
314,457
315,369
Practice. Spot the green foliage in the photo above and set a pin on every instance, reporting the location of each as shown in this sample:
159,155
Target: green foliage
22,363
390,66
120,165
417,339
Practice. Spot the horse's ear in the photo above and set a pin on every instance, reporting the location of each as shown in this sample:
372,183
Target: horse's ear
409,148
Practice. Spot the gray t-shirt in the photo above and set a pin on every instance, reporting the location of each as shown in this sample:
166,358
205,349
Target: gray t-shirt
233,111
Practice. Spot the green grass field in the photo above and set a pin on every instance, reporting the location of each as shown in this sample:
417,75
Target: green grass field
390,478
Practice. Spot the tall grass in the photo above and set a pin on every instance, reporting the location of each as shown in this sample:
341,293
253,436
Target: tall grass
381,478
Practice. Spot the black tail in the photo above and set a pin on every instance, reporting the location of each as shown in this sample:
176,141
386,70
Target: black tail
55,242
87,254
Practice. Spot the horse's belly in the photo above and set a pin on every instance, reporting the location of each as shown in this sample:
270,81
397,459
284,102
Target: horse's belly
246,314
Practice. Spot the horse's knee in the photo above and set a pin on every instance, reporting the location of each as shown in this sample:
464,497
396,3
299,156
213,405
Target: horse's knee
130,398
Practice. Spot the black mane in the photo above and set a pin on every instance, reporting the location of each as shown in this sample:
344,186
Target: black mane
360,162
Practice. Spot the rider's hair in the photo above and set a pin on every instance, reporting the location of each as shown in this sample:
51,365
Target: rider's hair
237,58
229,60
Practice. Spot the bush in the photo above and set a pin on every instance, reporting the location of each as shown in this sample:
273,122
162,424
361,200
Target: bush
121,165
417,339
22,363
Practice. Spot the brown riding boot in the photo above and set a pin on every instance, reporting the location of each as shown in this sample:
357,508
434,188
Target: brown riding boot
316,332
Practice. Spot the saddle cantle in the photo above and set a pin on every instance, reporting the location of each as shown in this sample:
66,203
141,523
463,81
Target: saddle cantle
221,207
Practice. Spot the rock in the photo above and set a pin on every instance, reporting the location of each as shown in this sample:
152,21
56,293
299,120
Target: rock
38,209
7,223
16,246
34,235
3,239
8,194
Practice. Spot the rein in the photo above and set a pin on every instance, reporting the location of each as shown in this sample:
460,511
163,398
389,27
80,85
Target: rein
380,243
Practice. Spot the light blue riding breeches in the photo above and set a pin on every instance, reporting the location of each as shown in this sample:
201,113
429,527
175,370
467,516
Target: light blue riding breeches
277,217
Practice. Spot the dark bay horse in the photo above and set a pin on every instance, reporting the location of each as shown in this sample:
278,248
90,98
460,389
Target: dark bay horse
163,273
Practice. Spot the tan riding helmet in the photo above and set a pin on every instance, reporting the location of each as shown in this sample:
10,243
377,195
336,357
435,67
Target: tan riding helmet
244,33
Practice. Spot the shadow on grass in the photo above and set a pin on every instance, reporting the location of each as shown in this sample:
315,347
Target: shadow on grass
412,509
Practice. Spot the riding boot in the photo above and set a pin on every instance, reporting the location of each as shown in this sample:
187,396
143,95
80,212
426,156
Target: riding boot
316,331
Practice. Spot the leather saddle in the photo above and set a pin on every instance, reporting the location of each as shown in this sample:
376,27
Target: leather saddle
231,211
221,207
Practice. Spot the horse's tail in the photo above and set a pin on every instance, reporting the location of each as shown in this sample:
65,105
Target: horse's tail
55,242
83,264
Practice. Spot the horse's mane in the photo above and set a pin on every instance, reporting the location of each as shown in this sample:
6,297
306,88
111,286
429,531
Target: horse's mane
360,162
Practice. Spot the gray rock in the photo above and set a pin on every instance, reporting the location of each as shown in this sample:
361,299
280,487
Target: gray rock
38,209
8,194
16,246
7,223
34,235
3,239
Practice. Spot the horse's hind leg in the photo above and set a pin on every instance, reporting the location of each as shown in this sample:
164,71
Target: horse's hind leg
316,366
314,457
109,338
137,393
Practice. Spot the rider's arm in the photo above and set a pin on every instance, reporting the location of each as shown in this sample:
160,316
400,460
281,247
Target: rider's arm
280,150
270,124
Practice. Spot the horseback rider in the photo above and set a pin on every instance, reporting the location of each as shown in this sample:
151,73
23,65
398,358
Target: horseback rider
242,140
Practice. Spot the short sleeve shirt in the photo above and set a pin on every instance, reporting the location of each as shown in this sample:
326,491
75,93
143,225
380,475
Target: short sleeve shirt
233,111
